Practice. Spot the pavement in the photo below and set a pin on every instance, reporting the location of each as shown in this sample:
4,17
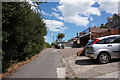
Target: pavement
47,65
83,67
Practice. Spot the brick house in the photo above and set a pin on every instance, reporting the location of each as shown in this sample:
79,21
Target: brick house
114,21
92,33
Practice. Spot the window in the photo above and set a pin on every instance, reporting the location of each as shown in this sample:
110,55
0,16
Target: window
101,41
90,42
116,21
116,40
106,40
110,39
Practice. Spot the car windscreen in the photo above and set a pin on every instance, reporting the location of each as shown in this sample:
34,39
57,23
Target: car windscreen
90,42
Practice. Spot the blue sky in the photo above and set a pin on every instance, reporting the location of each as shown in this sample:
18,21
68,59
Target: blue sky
72,17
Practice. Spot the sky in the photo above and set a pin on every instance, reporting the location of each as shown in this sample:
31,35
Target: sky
73,16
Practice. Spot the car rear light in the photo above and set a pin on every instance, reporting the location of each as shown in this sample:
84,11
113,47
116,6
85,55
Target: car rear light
96,40
92,57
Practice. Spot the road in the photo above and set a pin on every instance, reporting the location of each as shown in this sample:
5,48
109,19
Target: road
44,66
59,63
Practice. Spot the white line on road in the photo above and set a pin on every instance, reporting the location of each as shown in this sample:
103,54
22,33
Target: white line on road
61,72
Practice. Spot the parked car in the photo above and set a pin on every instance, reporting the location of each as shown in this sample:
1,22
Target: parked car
60,45
104,49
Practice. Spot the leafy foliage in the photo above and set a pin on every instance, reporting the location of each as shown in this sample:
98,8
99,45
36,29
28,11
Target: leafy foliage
54,43
104,26
23,32
60,36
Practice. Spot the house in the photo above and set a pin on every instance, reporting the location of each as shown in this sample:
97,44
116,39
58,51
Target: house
114,21
74,42
92,33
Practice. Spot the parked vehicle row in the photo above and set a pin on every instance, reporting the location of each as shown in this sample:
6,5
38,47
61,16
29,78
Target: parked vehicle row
104,49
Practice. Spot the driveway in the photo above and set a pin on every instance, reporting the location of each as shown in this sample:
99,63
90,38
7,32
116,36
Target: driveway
83,67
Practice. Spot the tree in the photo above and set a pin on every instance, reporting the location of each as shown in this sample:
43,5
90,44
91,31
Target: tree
60,36
104,26
53,43
23,32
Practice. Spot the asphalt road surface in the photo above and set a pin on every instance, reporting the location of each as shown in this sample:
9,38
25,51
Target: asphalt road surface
44,66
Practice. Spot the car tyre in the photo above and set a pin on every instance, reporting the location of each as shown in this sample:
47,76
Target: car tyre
103,58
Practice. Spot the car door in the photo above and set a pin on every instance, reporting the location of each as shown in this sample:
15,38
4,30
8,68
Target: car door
112,46
117,52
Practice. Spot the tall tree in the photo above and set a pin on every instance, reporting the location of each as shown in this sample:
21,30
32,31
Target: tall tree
23,32
60,36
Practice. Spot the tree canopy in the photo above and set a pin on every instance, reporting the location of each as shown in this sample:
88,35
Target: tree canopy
60,36
23,32
104,26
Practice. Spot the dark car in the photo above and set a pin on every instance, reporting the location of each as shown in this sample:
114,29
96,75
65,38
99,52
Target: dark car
60,46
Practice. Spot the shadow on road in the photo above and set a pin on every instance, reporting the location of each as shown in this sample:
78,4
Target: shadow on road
115,60
92,62
86,62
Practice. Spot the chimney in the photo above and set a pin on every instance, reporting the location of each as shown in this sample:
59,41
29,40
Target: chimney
77,34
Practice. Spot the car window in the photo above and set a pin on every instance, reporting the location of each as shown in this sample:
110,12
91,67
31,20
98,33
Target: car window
106,40
116,40
101,41
90,42
110,40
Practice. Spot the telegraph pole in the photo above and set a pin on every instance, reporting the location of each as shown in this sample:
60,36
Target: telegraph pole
53,37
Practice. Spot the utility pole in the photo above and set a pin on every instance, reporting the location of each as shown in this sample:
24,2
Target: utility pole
53,37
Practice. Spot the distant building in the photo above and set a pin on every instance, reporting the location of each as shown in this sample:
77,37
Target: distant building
74,42
114,21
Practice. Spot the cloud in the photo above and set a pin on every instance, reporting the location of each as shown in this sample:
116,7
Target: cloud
109,6
91,19
54,9
44,13
54,25
57,15
78,20
77,12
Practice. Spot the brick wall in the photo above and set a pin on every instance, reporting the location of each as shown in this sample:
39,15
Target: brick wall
101,32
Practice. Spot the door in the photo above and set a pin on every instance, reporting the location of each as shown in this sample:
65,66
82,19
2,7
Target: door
112,46
117,43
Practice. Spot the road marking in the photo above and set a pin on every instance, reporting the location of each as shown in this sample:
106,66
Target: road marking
61,72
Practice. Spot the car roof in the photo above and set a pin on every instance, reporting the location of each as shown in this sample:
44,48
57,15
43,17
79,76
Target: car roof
108,36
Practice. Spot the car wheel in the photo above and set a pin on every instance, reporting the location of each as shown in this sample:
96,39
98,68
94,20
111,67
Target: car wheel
103,58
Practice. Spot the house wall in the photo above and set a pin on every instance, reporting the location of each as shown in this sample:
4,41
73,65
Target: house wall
115,21
101,32
96,33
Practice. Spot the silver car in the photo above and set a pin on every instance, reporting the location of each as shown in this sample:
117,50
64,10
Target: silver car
104,49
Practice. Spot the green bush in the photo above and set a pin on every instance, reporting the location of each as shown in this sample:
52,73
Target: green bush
23,32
